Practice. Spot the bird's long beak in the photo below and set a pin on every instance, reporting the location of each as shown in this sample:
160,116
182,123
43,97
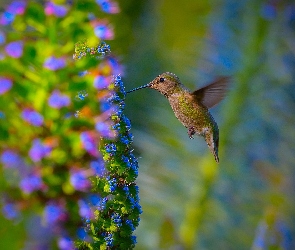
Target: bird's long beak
138,88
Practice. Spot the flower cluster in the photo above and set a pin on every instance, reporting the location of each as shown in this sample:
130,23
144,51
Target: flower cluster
115,222
74,163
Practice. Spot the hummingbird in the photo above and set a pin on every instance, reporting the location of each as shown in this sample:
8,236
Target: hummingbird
192,108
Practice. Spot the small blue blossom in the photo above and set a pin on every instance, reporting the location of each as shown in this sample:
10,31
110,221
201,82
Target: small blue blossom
65,243
6,18
81,233
98,167
80,181
2,37
31,183
126,121
85,210
10,211
126,190
54,213
103,30
133,238
16,7
39,150
103,128
125,159
10,159
112,183
14,49
111,148
103,48
126,139
54,63
94,199
81,95
58,100
117,219
89,143
55,9
130,224
108,6
101,82
33,117
2,115
5,85
109,239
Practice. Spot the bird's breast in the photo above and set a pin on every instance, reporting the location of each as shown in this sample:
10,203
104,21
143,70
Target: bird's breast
189,112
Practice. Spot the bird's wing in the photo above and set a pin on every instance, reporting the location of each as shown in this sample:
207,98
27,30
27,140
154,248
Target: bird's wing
213,93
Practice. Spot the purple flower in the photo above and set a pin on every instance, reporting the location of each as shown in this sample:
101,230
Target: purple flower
94,199
32,117
39,150
81,233
98,167
58,100
54,63
16,7
2,37
14,49
108,6
103,30
80,181
85,210
89,143
10,211
54,213
104,129
6,18
5,85
101,82
31,183
10,159
65,243
55,9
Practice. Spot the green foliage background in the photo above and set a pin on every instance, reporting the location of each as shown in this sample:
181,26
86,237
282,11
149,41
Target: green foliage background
188,201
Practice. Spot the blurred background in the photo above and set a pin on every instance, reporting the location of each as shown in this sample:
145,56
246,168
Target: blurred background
188,201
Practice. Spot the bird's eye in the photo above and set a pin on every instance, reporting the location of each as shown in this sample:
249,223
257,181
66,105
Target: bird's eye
162,79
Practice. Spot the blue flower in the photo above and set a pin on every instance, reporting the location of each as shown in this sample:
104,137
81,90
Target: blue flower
6,18
130,224
89,143
101,82
54,213
81,233
108,6
58,100
65,243
5,85
103,30
32,117
10,211
54,63
111,148
80,181
2,37
16,7
31,183
55,9
39,150
14,49
117,219
109,239
85,210
98,167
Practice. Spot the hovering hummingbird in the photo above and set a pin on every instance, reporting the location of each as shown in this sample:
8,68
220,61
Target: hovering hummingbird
191,108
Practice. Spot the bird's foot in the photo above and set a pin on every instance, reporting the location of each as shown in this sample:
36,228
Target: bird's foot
191,131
